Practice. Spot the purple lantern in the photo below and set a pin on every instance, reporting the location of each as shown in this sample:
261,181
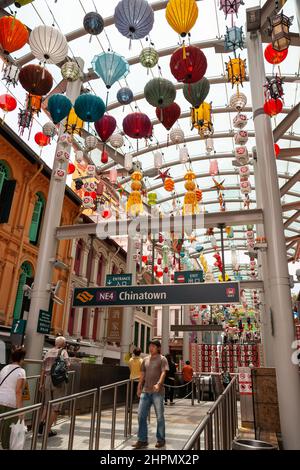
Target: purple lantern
230,6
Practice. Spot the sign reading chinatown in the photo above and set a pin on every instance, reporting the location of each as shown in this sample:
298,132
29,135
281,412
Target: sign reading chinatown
179,294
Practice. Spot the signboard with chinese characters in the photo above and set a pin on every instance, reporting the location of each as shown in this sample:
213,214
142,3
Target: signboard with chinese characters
188,277
114,326
118,280
44,322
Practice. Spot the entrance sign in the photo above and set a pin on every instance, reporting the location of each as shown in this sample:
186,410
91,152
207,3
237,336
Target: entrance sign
179,294
113,280
44,322
187,277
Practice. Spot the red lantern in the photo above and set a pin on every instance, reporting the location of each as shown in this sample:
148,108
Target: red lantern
106,214
42,140
144,259
7,103
188,65
172,277
273,107
159,273
93,195
155,268
71,169
35,79
104,157
166,270
160,238
275,57
276,149
159,261
137,126
105,127
169,115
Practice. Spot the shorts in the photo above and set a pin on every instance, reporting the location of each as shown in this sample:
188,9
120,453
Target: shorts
52,392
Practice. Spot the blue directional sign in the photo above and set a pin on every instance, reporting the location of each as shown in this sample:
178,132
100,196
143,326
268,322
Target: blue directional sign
113,280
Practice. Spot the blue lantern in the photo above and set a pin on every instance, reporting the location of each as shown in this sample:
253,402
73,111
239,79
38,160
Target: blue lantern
182,254
89,107
134,18
199,247
111,67
234,39
59,107
125,96
93,23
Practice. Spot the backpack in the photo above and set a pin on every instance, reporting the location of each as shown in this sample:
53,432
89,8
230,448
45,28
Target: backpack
59,371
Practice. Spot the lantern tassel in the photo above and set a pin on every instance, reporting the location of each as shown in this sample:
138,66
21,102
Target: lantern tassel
183,51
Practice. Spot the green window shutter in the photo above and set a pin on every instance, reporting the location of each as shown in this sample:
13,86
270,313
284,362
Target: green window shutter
142,345
2,178
148,339
136,333
19,296
35,221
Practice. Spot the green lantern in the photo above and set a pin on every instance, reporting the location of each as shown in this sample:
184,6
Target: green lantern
21,3
160,92
149,57
152,199
195,93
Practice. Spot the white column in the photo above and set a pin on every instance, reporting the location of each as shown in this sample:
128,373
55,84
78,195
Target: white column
90,322
287,373
48,245
186,334
77,322
165,322
100,325
297,8
94,270
84,260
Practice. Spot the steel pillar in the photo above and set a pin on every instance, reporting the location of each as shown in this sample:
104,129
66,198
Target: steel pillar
287,373
165,322
186,334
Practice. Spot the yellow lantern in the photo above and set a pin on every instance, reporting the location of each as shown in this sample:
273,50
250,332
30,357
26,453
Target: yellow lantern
201,119
74,124
182,15
134,205
203,263
190,203
236,70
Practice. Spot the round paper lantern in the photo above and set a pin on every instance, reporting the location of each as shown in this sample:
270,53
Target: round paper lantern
79,156
104,157
49,129
116,140
35,79
276,149
59,107
169,184
125,96
111,67
188,65
70,71
182,15
273,107
177,136
275,57
90,143
160,92
149,57
13,34
93,23
169,115
41,139
238,101
48,44
134,18
71,168
7,103
89,108
195,93
137,125
105,127
106,214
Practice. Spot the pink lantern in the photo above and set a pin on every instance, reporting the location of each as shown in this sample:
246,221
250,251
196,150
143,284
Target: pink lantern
230,7
244,171
240,121
213,168
100,188
241,137
113,174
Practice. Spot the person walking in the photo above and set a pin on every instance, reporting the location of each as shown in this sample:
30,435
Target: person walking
170,380
151,392
134,364
187,375
12,381
47,387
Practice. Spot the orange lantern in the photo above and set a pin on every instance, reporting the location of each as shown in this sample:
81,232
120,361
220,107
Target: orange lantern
198,194
13,34
169,185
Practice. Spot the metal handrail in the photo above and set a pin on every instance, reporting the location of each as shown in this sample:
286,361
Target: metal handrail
220,423
23,411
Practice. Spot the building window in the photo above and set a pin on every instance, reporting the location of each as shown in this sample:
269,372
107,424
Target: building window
36,221
136,333
89,265
26,277
78,257
176,333
149,311
155,324
7,189
148,338
142,344
100,271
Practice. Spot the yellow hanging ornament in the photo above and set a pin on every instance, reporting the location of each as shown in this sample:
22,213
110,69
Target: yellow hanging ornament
190,203
134,205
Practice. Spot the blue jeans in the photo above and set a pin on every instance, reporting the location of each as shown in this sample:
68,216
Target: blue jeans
146,400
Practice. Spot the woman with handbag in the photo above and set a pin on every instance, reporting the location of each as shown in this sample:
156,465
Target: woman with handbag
12,381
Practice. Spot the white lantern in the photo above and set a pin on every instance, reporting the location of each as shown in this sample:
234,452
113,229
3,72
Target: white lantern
250,234
70,71
238,101
90,143
113,174
244,171
62,156
49,129
91,170
209,145
241,155
116,140
176,136
88,202
240,121
245,187
158,160
65,139
183,155
79,156
59,174
128,162
48,44
241,137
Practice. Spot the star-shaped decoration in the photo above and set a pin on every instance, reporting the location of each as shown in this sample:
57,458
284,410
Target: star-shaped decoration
163,174
218,186
192,238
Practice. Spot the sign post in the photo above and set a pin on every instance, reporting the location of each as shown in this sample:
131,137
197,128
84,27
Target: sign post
44,322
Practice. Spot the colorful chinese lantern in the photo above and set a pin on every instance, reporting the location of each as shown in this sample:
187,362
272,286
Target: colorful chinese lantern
137,125
169,115
35,79
93,23
90,143
152,199
125,96
11,74
41,139
111,67
13,34
134,205
59,107
274,88
116,140
238,101
280,25
190,203
201,119
105,127
106,214
169,185
213,168
276,149
273,107
273,56
149,57
234,39
113,174
240,121
188,64
73,124
48,44
104,157
177,136
71,168
236,70
158,159
230,7
196,93
198,193
7,103
160,92
182,15
89,108
49,129
134,19
70,71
